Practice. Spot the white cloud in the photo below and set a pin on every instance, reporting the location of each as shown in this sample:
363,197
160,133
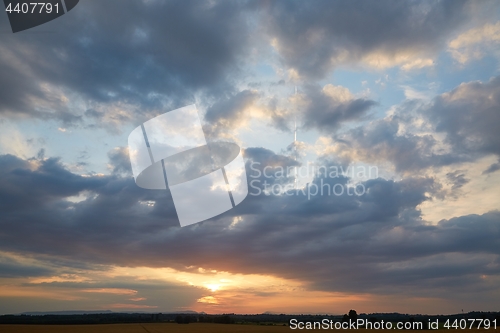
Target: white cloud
475,43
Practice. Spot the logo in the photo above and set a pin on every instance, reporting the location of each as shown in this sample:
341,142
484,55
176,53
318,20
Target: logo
171,151
28,14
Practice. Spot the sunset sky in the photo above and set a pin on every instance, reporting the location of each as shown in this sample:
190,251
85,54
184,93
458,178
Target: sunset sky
411,89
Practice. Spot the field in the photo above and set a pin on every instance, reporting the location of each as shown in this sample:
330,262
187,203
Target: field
143,328
163,328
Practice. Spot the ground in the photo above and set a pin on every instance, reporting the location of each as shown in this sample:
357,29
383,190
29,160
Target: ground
161,328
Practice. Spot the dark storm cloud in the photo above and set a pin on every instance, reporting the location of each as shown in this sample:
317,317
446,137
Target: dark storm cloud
314,37
376,242
148,54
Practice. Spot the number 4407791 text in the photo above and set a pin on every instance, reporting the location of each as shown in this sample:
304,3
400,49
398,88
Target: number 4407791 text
33,7
462,324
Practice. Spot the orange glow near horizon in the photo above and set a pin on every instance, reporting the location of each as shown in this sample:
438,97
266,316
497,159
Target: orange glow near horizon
198,289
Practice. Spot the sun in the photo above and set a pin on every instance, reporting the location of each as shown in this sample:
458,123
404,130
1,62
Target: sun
213,287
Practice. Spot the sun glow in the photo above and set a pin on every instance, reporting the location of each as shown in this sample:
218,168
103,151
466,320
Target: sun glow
213,287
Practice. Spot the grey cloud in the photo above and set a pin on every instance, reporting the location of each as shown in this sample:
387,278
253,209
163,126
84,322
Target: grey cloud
20,186
151,55
260,158
267,157
10,268
469,116
457,179
45,185
314,38
380,141
230,109
226,113
192,47
492,168
279,118
120,161
326,113
377,242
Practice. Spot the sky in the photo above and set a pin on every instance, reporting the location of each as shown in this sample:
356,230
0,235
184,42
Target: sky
398,100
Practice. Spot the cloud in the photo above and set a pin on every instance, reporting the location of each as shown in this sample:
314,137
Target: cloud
259,158
96,288
131,306
313,40
46,186
450,128
375,243
231,113
119,161
35,183
417,64
468,115
457,178
328,107
492,168
115,291
105,70
384,141
475,43
10,268
232,109
67,235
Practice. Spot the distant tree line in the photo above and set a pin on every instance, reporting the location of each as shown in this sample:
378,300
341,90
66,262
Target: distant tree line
262,319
